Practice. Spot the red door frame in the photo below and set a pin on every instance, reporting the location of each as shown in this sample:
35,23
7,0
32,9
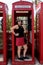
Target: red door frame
40,44
4,6
21,9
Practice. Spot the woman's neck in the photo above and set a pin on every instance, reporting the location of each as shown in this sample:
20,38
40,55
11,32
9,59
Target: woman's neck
19,25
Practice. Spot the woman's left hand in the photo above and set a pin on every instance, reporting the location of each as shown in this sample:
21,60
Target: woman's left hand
25,31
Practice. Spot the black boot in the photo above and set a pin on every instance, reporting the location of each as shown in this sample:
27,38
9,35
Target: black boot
25,57
21,58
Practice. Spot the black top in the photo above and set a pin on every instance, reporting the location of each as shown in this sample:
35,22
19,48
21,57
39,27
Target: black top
20,30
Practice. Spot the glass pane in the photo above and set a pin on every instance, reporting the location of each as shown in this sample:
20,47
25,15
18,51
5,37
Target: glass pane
1,39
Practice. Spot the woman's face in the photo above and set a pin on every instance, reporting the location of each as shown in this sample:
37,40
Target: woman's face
19,23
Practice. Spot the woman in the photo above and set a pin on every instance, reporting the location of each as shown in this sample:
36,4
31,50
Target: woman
18,30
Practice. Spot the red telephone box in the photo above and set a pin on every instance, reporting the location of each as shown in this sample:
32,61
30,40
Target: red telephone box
39,32
22,9
3,18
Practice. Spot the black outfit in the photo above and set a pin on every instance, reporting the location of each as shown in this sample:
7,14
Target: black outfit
20,30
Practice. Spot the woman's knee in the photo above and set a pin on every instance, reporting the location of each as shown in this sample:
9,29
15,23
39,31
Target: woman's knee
19,47
25,47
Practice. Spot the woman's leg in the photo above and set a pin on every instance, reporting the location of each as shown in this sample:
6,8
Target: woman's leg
19,51
25,50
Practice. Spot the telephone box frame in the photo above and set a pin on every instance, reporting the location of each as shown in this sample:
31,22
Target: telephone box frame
15,8
4,9
39,45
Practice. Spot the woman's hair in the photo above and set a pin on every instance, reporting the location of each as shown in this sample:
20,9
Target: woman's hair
19,21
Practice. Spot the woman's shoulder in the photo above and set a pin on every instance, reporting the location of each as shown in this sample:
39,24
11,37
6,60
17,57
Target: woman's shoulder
16,25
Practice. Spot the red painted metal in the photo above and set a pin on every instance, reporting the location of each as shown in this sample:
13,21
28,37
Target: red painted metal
20,0
4,8
39,32
13,22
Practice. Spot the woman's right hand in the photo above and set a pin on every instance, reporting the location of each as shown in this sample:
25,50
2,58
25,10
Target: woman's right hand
17,34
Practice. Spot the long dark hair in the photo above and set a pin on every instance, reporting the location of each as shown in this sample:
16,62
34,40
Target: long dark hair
19,21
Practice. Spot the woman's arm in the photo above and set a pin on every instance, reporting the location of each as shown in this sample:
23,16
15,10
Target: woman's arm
12,29
25,31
